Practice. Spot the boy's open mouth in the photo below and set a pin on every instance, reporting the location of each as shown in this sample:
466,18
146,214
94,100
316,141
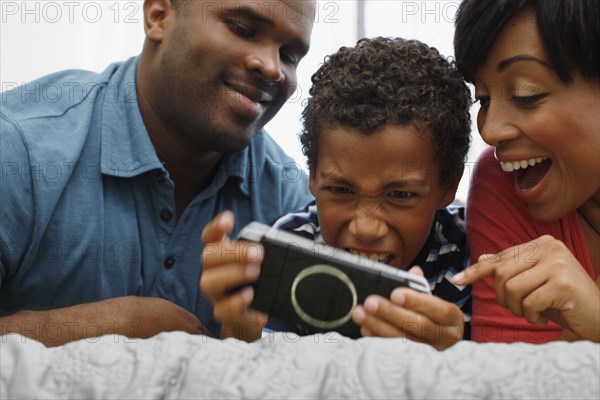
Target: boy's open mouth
380,257
529,172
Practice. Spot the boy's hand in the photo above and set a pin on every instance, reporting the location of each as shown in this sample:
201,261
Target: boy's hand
541,280
228,265
413,315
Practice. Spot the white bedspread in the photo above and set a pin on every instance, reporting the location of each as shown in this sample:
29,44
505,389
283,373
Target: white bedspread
176,365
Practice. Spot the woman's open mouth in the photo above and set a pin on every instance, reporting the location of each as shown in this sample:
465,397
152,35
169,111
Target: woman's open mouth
529,172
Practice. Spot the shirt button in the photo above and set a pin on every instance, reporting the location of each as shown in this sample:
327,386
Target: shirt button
169,262
160,177
165,215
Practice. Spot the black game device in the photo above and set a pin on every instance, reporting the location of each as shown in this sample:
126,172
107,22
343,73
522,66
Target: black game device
315,285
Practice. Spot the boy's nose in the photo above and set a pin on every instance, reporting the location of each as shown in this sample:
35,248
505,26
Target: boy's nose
367,228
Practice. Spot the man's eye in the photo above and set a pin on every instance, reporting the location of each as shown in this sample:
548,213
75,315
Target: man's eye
528,101
239,29
289,58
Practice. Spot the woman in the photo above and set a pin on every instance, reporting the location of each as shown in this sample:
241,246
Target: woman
533,216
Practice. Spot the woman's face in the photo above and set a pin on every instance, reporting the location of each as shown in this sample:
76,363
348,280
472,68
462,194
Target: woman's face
546,132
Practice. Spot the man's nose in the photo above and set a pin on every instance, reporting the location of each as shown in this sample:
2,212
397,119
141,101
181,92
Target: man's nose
266,61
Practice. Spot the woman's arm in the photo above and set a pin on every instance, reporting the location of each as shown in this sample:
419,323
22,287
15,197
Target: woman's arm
498,224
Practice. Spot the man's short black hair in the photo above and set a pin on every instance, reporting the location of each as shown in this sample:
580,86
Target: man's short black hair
384,81
570,31
180,4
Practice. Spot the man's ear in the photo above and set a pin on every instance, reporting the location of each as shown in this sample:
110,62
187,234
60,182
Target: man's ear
449,190
156,13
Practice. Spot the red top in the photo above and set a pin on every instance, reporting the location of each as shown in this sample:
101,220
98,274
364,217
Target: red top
497,219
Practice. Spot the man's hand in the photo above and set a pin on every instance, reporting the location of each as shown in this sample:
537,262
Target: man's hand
541,280
413,315
131,316
144,317
227,266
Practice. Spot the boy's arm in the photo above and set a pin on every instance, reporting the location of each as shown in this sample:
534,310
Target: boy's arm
228,265
133,317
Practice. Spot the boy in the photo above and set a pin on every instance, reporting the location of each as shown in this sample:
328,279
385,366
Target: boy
386,131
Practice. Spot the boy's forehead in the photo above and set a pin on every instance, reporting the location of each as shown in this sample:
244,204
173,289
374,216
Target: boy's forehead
400,152
404,176
397,130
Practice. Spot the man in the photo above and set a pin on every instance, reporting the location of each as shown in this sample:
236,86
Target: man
105,190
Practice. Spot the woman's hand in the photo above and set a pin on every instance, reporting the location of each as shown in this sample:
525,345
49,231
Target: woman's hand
541,280
413,315
228,265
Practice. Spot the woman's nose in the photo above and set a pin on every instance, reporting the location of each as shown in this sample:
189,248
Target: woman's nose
495,123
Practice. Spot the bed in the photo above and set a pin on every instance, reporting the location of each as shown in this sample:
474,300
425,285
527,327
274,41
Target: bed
177,365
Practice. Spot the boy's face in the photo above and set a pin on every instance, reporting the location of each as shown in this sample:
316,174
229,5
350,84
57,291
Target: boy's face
377,194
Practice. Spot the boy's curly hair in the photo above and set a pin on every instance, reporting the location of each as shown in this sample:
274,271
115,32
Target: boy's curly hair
385,81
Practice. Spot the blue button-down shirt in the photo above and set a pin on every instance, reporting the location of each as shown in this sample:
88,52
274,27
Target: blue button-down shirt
87,209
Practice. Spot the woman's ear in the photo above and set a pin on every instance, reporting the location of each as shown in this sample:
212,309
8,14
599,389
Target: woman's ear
156,13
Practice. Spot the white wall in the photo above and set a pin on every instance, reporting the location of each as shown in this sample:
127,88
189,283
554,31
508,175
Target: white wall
39,37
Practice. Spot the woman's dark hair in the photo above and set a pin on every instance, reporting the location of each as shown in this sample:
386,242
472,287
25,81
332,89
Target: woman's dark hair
384,81
570,31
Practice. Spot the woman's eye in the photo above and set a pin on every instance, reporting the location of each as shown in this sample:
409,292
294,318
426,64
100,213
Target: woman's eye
528,101
484,101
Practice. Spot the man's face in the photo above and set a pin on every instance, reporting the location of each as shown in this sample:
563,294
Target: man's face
227,67
377,194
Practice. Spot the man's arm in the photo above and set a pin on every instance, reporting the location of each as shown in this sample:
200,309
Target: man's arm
133,317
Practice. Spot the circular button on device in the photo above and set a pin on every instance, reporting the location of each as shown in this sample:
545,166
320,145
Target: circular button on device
335,273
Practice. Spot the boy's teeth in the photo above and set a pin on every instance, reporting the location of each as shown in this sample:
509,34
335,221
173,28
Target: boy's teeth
511,166
381,257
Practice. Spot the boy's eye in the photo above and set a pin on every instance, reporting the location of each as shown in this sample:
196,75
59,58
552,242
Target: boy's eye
339,189
528,101
240,29
399,195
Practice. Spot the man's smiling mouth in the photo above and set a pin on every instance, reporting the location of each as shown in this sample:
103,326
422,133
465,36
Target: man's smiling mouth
252,93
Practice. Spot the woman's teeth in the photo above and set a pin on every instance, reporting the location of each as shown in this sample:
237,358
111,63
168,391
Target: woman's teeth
511,166
381,257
